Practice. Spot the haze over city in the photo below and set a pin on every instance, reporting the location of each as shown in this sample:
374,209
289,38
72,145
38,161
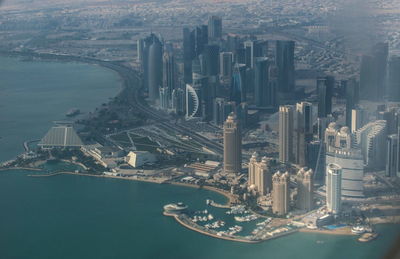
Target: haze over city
251,128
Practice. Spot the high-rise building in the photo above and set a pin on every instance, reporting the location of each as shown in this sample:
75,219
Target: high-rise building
371,139
392,156
325,87
193,108
201,39
359,117
305,189
242,113
232,145
373,73
394,79
169,72
164,98
226,65
261,83
140,50
214,27
178,101
334,188
303,131
189,53
284,59
238,89
249,53
155,68
340,150
260,177
351,95
286,133
280,193
211,56
272,97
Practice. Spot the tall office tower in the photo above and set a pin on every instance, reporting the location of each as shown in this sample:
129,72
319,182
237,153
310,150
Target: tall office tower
286,133
394,79
273,86
351,95
373,72
232,145
280,193
178,101
325,87
240,55
140,49
261,82
339,149
390,116
225,66
316,159
144,47
169,72
219,111
188,54
211,56
214,27
392,156
359,117
164,98
305,189
232,42
303,131
249,53
242,111
201,39
284,59
238,89
260,48
371,139
155,69
193,105
334,188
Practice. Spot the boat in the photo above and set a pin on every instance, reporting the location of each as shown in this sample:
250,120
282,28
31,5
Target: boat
210,217
366,237
73,112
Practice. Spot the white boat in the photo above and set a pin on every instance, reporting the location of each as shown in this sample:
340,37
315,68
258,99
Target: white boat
210,217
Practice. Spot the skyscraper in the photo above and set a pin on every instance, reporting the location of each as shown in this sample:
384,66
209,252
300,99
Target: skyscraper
286,133
351,95
169,72
260,177
359,117
305,189
392,156
333,188
211,56
249,53
188,54
285,62
155,69
232,145
238,90
371,139
280,193
373,73
214,27
261,83
325,87
193,105
394,79
226,65
303,131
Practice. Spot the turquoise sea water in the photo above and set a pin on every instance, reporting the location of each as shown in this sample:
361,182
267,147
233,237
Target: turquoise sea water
85,217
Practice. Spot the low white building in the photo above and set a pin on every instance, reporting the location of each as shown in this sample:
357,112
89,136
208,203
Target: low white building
139,158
